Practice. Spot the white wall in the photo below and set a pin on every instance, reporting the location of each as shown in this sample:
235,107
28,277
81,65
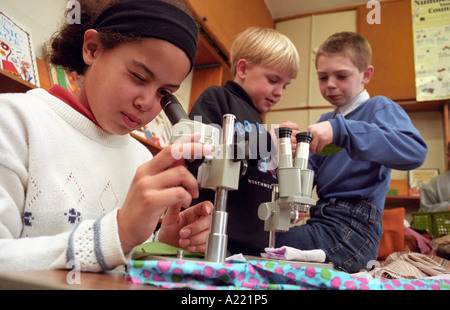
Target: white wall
41,17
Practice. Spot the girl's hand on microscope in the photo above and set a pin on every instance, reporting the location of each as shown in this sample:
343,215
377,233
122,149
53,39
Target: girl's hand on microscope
187,229
322,136
162,182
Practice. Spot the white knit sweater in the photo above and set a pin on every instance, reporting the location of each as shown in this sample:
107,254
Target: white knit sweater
62,180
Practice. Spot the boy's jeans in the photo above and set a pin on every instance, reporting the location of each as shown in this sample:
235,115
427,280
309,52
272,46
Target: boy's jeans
349,231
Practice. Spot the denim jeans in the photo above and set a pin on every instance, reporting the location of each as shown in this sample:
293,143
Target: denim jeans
349,231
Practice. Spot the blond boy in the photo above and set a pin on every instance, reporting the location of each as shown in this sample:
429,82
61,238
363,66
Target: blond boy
263,63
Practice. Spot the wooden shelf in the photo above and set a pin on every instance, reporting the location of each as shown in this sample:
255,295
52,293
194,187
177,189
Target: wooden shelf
10,83
409,203
421,106
402,200
408,105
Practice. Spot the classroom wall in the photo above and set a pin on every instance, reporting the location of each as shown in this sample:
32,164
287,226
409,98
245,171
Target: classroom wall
430,126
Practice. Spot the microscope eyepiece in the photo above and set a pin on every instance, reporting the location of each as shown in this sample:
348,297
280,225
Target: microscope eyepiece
173,109
284,132
305,136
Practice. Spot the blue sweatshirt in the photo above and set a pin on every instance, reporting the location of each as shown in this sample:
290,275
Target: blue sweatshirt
376,137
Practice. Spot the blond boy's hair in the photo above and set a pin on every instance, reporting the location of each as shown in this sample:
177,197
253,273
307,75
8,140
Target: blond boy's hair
265,47
348,44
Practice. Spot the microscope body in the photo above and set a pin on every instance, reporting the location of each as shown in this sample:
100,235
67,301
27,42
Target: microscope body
292,195
219,171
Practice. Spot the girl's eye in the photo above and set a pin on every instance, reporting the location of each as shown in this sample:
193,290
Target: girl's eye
138,77
164,92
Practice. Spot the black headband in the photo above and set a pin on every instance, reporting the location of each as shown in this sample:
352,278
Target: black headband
152,18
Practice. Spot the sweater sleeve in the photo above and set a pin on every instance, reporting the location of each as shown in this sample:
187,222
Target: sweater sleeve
92,246
385,135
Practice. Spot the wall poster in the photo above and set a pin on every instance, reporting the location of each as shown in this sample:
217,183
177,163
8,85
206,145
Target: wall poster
16,50
431,31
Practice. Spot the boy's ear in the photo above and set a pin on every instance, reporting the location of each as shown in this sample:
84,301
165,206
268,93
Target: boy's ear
91,46
368,74
241,68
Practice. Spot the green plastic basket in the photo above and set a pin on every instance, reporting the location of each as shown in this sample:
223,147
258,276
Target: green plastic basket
435,223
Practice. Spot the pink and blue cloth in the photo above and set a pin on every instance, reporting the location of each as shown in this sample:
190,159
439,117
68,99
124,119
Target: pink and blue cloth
262,275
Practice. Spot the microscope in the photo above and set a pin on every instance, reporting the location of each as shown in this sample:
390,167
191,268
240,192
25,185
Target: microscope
292,195
219,171
222,170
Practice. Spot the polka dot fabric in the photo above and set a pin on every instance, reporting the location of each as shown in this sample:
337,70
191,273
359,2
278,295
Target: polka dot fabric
261,275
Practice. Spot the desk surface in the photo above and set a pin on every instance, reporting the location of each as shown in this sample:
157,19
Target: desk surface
61,279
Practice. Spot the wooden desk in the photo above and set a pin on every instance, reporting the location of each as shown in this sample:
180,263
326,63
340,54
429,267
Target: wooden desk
58,280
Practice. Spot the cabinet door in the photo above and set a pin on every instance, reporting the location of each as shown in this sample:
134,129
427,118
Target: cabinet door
393,50
323,26
209,69
299,32
222,20
307,33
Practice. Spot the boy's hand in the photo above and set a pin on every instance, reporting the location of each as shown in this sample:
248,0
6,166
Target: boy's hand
295,130
322,136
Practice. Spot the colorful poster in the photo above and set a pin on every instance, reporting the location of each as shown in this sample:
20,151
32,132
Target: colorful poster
431,31
16,50
158,131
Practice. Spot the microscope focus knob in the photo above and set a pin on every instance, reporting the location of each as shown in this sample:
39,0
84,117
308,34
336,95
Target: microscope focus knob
264,211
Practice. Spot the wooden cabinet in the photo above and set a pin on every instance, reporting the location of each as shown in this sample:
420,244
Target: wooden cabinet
323,26
302,100
222,20
209,69
307,33
393,50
